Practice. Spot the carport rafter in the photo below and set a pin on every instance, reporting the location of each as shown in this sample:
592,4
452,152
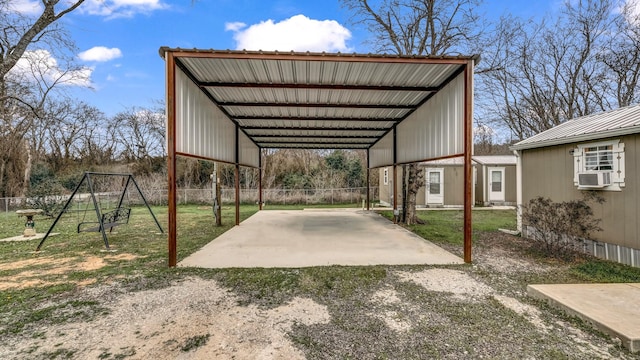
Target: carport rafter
303,118
315,105
306,136
316,128
212,84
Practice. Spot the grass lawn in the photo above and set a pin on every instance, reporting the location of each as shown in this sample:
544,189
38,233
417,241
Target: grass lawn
446,226
37,287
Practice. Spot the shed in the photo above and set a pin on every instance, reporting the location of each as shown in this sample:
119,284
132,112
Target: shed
226,106
494,182
599,152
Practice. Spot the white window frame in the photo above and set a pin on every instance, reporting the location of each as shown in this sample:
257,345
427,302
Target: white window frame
618,172
385,176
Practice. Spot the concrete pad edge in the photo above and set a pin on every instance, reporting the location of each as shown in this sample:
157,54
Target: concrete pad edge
537,292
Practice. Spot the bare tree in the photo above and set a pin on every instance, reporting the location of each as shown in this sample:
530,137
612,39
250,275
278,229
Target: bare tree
621,55
584,61
140,133
32,40
419,27
64,133
19,32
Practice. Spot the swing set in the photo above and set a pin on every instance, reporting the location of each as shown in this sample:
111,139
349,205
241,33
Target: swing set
105,220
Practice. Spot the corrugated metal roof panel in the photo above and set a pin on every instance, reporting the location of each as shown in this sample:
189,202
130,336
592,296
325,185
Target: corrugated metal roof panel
263,92
316,72
311,133
616,122
314,112
496,159
315,96
314,123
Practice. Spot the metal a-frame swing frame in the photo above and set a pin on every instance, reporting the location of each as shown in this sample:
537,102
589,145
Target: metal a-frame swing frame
105,221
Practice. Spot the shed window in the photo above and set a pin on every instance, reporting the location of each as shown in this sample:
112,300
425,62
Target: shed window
598,158
602,157
386,176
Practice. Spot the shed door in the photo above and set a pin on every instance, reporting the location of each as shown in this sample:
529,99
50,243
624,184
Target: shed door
496,184
435,186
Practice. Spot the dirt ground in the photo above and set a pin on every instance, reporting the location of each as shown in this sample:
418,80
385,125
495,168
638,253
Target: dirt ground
197,318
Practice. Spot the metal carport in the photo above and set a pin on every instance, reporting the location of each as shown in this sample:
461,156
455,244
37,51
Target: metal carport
227,105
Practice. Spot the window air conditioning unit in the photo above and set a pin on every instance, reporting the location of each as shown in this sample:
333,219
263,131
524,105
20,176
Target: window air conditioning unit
594,179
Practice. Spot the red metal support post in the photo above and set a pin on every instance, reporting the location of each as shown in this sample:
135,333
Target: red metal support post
368,191
171,158
237,175
468,149
260,179
395,177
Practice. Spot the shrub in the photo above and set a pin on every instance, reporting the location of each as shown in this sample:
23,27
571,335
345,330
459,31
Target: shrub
47,195
560,227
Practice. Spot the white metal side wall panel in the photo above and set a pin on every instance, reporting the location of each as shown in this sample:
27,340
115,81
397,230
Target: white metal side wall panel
381,154
201,128
436,129
249,152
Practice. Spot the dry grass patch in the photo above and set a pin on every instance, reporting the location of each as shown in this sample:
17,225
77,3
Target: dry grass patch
38,272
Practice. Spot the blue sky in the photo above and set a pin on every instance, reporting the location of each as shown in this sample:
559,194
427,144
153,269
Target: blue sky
118,40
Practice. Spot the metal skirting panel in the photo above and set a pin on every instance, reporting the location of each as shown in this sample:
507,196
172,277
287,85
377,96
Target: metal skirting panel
601,251
588,247
607,251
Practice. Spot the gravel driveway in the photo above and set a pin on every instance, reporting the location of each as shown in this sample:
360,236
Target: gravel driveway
393,312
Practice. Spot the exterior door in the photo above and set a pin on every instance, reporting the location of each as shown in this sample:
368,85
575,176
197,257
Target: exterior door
435,186
496,184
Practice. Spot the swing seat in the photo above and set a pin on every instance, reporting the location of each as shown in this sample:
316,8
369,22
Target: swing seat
110,219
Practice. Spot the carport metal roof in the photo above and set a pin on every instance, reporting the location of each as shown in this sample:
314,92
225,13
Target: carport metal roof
227,105
316,100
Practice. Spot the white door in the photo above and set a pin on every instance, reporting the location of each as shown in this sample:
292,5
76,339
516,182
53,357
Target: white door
496,184
435,186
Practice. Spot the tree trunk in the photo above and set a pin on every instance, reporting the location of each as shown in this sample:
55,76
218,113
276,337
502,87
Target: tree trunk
27,169
415,179
2,166
403,215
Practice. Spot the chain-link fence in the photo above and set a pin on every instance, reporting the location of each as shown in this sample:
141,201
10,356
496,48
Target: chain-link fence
205,196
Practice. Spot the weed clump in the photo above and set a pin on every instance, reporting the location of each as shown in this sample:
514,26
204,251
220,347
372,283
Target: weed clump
560,227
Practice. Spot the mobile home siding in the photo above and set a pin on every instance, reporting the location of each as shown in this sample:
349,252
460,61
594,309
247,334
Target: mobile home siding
548,172
479,186
453,180
510,185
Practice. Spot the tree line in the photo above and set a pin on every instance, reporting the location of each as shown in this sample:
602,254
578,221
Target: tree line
534,74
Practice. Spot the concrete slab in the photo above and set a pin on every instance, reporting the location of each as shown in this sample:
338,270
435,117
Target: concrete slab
318,237
611,308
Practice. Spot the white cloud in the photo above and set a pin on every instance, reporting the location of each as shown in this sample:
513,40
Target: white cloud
630,9
26,7
234,26
634,10
39,65
121,8
100,53
298,33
